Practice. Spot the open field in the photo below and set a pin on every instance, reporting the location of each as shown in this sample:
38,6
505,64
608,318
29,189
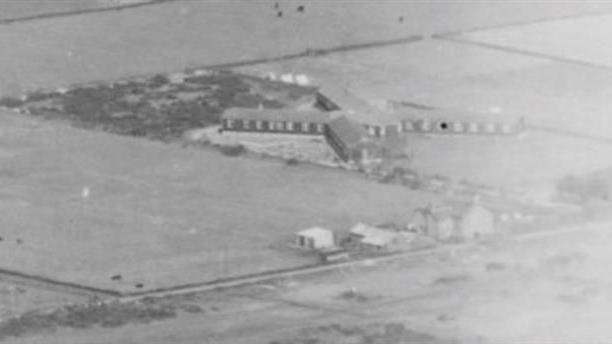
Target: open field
83,206
546,290
536,160
577,40
172,36
89,205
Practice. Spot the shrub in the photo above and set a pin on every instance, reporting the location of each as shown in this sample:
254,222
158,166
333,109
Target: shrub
584,189
272,104
292,162
39,96
158,80
11,102
232,150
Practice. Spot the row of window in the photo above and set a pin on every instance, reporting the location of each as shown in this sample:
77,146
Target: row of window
286,126
378,131
458,127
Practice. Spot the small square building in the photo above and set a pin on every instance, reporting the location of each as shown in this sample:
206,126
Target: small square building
315,238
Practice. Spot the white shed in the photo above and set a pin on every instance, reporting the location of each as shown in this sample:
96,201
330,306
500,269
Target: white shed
302,80
287,78
315,238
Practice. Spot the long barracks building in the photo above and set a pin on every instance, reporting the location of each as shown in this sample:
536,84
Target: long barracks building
280,121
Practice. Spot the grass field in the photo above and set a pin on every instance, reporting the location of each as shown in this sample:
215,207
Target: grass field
575,39
536,160
175,35
548,290
163,215
82,206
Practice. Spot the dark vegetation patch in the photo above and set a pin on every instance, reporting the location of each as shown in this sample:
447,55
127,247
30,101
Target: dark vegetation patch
495,266
114,314
586,188
232,150
452,279
572,299
377,333
292,162
353,295
563,260
161,107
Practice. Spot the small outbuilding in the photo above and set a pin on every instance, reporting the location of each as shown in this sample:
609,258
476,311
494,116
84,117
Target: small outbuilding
315,238
378,238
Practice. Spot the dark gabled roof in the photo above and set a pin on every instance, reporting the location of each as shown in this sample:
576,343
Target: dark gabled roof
350,132
275,115
357,109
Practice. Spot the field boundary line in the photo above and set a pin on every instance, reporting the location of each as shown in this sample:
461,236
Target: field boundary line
447,34
41,282
61,14
317,52
525,52
317,268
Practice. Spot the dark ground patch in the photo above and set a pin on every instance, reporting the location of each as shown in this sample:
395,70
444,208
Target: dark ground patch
377,333
158,108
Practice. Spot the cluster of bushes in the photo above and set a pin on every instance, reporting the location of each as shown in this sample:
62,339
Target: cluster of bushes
133,107
112,314
389,333
404,176
85,316
232,150
11,102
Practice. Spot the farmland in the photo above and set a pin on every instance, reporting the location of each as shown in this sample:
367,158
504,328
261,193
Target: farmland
162,215
587,36
175,35
172,219
126,214
157,107
550,289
